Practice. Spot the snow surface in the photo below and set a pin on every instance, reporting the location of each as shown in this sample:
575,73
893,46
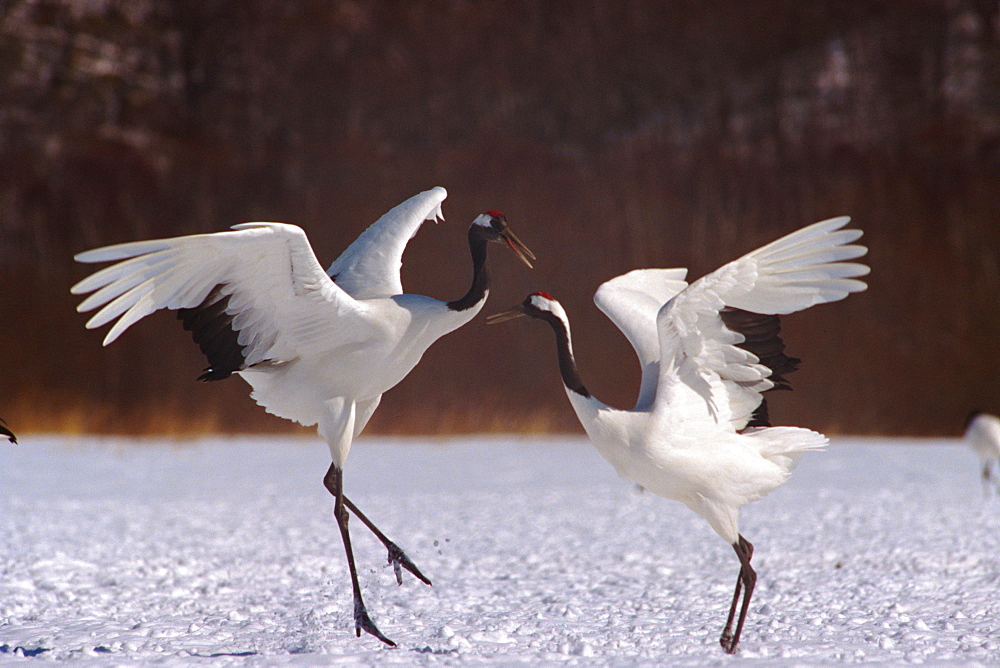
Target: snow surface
877,550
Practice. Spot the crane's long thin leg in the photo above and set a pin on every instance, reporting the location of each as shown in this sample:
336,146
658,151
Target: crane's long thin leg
362,413
746,580
396,555
334,483
987,475
727,631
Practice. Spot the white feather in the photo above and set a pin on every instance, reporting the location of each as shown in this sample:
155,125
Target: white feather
779,278
632,301
370,266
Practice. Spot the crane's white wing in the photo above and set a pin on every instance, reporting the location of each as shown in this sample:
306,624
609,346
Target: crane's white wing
699,350
369,268
262,278
632,301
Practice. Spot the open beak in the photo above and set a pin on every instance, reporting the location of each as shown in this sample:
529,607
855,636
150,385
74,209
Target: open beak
518,247
504,316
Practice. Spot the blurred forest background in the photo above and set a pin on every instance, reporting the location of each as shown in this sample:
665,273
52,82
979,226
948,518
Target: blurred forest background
615,135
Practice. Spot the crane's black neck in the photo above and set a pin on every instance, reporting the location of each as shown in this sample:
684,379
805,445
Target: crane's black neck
480,277
567,363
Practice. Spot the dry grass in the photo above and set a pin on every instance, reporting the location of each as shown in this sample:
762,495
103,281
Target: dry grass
615,135
30,416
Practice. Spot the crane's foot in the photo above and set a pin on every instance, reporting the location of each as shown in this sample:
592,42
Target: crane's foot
362,622
727,642
398,558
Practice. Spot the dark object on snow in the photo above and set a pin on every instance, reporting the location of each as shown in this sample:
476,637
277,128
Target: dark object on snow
7,432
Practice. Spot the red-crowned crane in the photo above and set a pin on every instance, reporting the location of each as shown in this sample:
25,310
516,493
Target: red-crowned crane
699,433
318,348
982,435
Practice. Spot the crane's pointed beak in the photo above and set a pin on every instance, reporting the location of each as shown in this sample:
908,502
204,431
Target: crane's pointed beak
504,316
518,247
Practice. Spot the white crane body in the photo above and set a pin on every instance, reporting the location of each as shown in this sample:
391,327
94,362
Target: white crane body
352,372
982,435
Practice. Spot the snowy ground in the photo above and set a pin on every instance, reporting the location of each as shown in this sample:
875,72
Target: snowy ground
875,551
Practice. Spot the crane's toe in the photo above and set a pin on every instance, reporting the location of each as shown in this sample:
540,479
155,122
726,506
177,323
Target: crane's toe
398,558
362,622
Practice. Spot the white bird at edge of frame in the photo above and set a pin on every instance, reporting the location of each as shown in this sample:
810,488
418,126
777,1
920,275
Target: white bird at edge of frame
318,348
700,433
982,435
